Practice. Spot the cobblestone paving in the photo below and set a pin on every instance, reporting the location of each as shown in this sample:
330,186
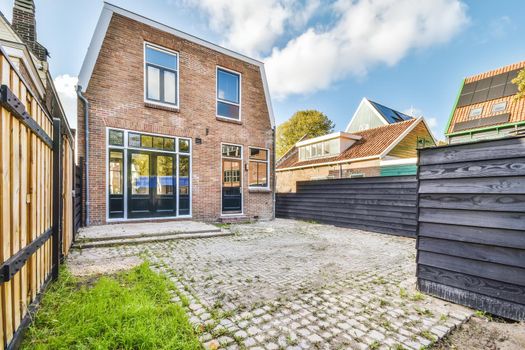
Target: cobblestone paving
294,285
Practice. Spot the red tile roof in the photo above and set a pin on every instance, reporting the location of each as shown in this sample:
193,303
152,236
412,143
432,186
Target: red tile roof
373,143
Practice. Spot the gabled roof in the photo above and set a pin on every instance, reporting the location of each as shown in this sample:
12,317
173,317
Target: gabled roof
374,143
100,33
390,115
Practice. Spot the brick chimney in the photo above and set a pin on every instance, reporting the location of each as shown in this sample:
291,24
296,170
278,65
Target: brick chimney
24,24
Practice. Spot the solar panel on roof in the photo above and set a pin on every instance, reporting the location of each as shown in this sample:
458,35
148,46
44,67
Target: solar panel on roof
391,116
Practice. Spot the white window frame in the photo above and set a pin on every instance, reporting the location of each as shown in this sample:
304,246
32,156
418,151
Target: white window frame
267,161
125,149
217,99
145,88
474,109
497,104
222,214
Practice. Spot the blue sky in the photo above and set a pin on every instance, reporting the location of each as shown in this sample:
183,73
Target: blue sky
324,55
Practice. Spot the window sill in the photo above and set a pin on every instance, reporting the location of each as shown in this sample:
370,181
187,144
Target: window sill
162,107
228,120
259,190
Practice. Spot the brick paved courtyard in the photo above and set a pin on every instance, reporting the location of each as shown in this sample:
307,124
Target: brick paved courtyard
294,285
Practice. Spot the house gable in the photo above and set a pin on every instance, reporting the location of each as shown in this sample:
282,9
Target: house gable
407,147
365,117
103,24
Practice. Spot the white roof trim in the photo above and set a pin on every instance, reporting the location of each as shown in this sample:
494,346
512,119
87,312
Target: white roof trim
102,27
400,161
22,54
402,136
367,102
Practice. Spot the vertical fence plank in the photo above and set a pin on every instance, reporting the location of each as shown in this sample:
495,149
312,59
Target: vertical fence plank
15,202
23,200
6,205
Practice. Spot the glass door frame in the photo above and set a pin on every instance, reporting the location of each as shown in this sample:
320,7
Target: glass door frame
124,148
241,160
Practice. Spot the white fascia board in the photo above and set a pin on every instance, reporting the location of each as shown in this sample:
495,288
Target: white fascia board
365,101
23,54
400,161
401,137
102,27
379,115
94,48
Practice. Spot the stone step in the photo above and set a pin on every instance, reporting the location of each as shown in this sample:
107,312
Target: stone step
146,235
148,239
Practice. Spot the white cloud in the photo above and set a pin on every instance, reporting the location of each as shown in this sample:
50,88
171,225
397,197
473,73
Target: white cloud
253,26
65,86
366,33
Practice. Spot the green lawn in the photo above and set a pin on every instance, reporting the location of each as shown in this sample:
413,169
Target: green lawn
131,310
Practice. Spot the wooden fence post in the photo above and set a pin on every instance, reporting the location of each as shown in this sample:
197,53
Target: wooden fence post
57,195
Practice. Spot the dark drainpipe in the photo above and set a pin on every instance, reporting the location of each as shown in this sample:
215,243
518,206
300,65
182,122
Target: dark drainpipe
86,119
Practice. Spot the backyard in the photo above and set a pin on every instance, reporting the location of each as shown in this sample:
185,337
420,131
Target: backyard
286,284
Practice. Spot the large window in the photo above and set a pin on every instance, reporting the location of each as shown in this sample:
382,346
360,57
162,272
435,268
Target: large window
317,150
259,168
162,67
228,94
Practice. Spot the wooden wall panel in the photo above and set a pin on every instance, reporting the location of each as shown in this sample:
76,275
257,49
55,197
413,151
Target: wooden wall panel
378,204
471,225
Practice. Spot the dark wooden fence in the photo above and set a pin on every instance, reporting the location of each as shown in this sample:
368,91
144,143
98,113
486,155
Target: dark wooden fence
471,236
378,204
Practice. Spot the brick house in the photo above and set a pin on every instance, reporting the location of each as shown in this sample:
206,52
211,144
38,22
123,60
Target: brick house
378,141
485,107
177,127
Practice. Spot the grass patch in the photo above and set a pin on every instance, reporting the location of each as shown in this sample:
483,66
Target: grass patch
131,310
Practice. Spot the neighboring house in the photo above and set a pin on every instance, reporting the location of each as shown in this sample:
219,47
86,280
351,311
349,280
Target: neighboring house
177,127
485,107
385,150
370,114
19,40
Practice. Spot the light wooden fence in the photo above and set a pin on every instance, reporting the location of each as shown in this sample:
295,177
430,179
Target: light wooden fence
30,223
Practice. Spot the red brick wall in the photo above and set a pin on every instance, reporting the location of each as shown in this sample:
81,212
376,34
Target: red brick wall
116,97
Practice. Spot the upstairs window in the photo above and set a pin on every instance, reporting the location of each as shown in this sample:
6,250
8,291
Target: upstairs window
228,94
162,76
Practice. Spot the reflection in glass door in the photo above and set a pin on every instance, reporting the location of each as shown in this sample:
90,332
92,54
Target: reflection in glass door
140,196
148,175
164,197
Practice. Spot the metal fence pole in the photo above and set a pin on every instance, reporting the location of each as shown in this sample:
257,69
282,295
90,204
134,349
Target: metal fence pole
57,195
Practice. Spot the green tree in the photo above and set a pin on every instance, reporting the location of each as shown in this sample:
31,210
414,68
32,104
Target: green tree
309,123
520,82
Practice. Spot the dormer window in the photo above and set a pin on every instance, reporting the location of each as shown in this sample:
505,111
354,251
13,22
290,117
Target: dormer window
475,112
325,146
499,107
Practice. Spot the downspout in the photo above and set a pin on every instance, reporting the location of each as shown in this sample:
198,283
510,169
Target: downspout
86,131
274,177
